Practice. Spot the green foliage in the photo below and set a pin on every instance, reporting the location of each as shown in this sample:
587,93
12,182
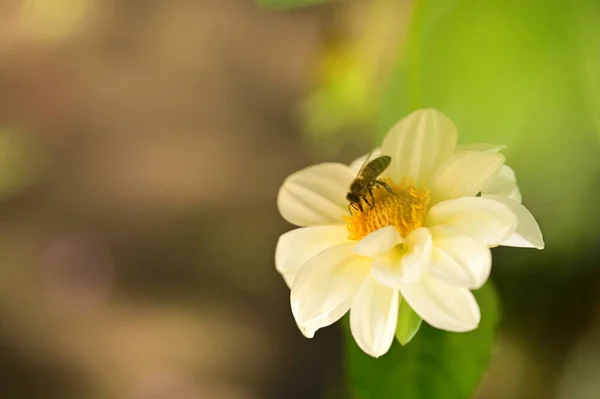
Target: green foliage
408,323
521,73
288,3
435,365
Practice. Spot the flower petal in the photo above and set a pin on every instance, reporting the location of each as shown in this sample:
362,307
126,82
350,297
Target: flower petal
373,317
442,305
297,246
358,163
378,242
466,173
417,248
505,184
528,233
404,265
315,195
418,143
459,259
484,219
324,287
480,147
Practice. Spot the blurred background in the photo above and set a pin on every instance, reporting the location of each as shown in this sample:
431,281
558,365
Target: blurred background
142,144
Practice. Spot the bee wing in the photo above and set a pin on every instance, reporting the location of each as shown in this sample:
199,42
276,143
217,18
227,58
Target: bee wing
365,162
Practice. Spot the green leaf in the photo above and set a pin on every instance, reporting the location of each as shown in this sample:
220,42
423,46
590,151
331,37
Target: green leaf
288,3
435,365
521,74
408,323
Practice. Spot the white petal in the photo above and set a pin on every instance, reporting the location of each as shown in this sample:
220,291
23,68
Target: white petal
404,265
324,287
528,233
505,184
373,317
480,147
484,219
465,173
418,143
442,305
459,259
417,248
297,246
316,195
357,163
378,242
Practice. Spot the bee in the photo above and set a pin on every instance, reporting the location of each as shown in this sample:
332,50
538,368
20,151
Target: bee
366,181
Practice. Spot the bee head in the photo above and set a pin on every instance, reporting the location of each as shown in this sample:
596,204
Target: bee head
352,198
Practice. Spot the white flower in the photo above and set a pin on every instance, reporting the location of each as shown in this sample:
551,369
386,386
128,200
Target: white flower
428,243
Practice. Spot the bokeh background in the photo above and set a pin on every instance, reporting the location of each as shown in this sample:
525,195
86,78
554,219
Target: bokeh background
142,144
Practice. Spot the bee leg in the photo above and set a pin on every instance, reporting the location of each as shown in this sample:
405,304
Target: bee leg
384,185
372,204
365,200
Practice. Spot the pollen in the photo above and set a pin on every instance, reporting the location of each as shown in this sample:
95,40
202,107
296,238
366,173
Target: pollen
406,209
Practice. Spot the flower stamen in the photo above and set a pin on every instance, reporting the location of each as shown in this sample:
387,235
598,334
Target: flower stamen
406,209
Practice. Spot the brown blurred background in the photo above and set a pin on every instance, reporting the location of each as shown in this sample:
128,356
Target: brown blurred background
138,259
142,146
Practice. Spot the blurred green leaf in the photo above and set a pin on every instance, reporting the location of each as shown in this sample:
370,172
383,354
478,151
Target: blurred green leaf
521,73
436,364
408,323
358,56
289,3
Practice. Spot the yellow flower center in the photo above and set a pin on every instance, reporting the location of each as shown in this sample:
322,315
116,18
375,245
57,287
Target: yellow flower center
406,209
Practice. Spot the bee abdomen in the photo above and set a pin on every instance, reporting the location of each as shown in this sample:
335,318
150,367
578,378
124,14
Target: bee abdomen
376,166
